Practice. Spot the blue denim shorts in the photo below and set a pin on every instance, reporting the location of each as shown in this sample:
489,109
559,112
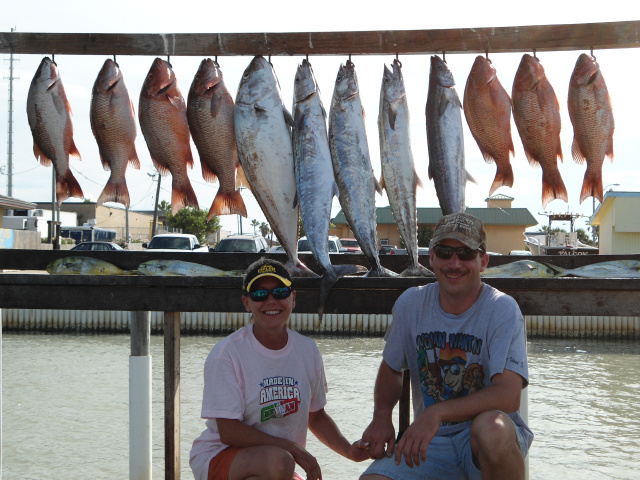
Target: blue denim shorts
448,457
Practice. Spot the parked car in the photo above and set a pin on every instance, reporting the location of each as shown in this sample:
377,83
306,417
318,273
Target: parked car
98,247
520,252
242,244
403,251
334,245
386,249
277,249
170,242
351,244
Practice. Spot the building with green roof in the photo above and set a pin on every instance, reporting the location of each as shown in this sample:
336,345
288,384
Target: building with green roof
505,226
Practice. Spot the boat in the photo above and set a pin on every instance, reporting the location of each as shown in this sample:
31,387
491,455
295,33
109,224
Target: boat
558,243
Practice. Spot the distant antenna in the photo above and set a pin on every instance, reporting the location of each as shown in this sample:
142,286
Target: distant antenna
11,78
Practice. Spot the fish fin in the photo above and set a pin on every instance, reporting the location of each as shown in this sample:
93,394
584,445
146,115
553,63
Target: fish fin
324,113
504,176
44,160
134,161
335,191
288,118
392,113
377,185
381,182
488,158
176,101
430,171
295,200
417,181
207,173
532,160
182,195
553,188
115,191
67,186
73,151
576,152
592,186
470,178
443,103
418,271
241,178
609,152
227,204
162,170
259,108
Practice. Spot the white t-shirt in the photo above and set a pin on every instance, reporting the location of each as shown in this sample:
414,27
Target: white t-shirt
271,390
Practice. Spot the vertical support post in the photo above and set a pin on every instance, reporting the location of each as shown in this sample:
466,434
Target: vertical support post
140,446
172,395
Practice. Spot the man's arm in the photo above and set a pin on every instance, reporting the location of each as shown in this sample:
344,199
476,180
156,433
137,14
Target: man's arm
503,394
380,431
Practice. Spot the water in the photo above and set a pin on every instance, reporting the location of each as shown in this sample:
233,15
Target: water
65,405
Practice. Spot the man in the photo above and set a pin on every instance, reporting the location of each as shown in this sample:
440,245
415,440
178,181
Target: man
464,344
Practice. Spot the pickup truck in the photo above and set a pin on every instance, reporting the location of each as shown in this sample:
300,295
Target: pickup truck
171,242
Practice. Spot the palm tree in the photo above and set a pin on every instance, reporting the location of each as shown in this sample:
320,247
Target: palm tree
255,223
264,229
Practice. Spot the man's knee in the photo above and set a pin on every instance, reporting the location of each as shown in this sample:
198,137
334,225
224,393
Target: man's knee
493,431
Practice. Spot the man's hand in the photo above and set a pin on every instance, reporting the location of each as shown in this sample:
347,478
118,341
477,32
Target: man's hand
415,440
379,438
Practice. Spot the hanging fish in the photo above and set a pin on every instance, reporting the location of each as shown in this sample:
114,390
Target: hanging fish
210,115
487,108
49,115
264,145
445,139
591,114
163,121
399,177
536,112
352,165
114,126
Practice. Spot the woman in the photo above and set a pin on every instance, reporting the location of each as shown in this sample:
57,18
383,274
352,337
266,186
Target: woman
264,385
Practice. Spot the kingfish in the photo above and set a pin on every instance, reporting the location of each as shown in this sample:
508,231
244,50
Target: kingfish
314,175
445,139
399,176
84,266
179,268
487,108
264,145
163,121
536,113
591,114
49,115
352,166
210,115
523,269
114,126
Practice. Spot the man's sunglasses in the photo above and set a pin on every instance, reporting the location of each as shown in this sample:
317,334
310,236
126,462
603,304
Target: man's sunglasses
463,253
279,293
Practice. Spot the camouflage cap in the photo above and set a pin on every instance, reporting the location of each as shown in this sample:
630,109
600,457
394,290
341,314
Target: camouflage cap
462,227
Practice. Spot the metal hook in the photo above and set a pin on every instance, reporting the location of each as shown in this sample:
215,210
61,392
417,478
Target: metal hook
444,58
169,59
307,57
486,54
270,61
216,60
534,53
592,55
53,58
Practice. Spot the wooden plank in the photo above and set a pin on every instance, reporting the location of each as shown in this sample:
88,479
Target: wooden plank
172,395
604,35
536,296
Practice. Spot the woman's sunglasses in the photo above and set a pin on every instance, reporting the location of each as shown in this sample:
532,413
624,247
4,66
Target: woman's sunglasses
279,293
463,253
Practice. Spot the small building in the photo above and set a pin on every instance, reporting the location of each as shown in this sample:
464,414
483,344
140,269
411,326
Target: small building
504,225
618,223
11,237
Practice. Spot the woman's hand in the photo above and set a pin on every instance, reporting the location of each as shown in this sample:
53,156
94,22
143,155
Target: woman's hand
307,462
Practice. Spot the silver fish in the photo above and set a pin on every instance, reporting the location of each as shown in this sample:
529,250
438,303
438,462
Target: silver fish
612,269
445,139
266,154
314,175
352,165
399,176
523,269
83,266
162,268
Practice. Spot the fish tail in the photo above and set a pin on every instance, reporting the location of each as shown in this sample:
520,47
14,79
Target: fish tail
182,195
329,279
67,186
115,191
504,176
592,185
417,271
227,204
553,188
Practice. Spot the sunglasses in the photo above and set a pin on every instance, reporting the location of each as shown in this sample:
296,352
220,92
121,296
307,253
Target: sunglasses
463,253
279,293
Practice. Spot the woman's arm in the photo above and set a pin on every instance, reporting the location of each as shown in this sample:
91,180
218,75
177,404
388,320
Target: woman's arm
326,430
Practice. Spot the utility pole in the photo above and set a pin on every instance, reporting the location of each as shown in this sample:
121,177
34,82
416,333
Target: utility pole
155,210
11,78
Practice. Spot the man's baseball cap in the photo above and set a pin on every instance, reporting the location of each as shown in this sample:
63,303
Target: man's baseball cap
462,227
269,268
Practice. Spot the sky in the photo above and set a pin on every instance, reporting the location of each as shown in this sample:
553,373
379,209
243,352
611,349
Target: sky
620,68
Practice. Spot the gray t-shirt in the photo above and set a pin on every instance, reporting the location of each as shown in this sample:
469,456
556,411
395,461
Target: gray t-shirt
452,356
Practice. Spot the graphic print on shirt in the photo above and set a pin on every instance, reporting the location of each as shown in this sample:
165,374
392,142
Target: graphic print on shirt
279,397
442,366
